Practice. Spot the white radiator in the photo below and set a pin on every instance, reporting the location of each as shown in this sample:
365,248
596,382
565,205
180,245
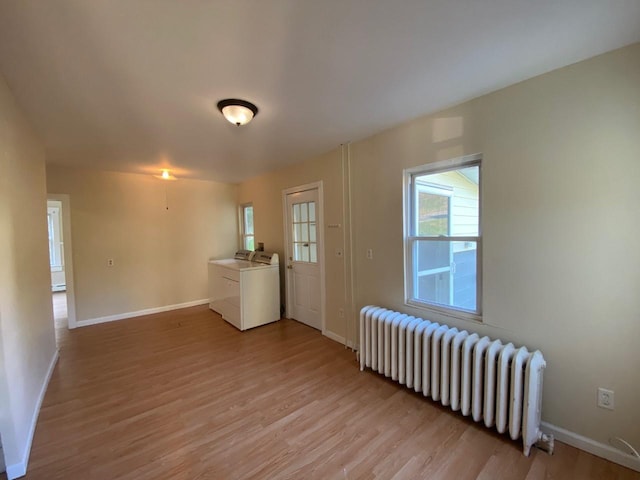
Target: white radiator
495,383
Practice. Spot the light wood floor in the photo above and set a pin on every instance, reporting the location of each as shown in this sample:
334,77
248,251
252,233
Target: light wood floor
60,314
184,395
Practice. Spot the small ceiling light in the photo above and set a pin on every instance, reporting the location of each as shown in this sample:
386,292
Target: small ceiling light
238,112
165,175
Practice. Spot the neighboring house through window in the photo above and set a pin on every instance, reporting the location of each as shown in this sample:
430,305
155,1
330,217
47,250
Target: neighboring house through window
246,227
442,237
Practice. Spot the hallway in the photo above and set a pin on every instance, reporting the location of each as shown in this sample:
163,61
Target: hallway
60,315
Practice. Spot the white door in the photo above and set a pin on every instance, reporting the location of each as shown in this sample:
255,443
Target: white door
304,298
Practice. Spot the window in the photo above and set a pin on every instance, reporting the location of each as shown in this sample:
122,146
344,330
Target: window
305,243
442,237
55,238
246,227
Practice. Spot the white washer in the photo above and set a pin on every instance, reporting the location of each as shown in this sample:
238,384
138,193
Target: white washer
245,289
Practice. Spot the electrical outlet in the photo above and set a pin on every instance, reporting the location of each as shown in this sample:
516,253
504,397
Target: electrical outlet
605,398
370,253
110,262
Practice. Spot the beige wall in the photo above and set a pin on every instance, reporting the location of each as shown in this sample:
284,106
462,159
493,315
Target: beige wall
27,342
160,256
266,194
561,169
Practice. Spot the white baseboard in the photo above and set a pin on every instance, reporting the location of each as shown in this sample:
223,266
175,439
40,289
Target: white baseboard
589,445
17,470
337,338
334,336
147,311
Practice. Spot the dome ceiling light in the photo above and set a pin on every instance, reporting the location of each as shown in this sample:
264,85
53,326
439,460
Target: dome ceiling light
238,112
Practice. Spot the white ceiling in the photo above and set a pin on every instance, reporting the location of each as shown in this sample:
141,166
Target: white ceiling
132,85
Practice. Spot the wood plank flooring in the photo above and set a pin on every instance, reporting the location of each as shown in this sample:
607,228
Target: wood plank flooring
184,395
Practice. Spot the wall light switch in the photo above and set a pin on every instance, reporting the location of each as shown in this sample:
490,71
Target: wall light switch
370,253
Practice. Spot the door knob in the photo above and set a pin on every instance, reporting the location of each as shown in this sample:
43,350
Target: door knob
289,267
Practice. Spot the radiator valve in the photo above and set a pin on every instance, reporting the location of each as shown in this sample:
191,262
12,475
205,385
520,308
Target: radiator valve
546,443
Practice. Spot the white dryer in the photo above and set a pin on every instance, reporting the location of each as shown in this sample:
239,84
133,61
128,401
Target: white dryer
245,289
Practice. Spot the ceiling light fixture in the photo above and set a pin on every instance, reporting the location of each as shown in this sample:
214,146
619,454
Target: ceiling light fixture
238,112
165,175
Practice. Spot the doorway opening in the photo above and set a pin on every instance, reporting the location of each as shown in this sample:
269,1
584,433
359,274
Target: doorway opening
60,259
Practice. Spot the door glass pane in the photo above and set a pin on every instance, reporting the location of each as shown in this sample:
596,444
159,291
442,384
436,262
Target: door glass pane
305,232
312,211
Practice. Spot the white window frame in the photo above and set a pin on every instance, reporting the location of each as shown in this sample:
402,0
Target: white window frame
243,235
409,221
56,259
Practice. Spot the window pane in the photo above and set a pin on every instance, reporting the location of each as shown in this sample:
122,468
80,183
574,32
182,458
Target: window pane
448,203
433,214
297,232
446,273
296,212
433,255
305,252
303,212
312,232
312,211
248,242
304,230
313,253
297,252
52,255
248,220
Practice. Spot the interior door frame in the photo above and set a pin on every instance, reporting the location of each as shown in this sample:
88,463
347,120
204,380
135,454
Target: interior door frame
287,253
64,199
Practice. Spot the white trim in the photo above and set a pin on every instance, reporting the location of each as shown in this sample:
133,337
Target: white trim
321,252
589,445
351,325
19,469
337,338
146,311
334,336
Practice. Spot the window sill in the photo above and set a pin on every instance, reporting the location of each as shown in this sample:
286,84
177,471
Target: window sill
447,312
